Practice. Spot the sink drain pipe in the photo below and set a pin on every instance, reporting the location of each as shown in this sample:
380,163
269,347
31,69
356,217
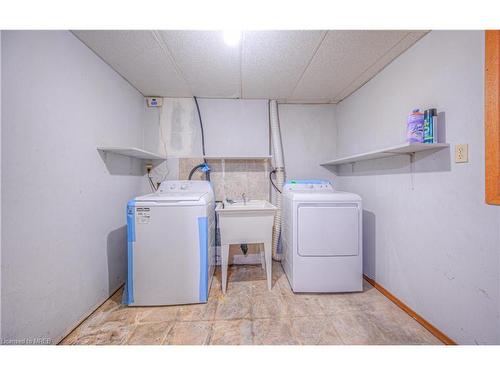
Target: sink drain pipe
279,168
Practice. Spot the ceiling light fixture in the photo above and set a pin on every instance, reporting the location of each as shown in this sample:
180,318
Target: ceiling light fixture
232,37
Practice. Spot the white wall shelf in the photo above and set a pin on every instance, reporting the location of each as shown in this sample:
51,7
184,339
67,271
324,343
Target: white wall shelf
402,149
133,152
262,157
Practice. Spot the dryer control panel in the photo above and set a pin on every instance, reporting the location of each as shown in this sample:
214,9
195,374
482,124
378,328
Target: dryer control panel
308,185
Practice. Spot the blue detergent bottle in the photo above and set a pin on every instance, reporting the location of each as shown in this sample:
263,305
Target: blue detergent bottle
429,125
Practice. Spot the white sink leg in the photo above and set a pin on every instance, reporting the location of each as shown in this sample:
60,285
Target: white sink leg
269,264
262,257
224,261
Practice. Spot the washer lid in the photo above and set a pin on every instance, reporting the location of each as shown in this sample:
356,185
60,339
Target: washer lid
172,196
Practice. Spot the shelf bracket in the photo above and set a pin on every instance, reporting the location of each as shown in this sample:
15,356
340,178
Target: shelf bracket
412,170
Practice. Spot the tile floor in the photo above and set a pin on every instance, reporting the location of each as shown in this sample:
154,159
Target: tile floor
250,314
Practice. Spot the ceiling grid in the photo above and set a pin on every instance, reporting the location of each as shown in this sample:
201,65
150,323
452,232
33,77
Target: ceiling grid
293,66
310,60
164,47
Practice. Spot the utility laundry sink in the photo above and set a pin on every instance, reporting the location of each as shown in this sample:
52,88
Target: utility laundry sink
246,222
252,204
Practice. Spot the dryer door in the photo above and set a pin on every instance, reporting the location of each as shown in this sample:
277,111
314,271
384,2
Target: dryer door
328,229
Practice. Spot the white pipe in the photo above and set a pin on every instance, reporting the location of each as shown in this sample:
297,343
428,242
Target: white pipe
280,171
276,135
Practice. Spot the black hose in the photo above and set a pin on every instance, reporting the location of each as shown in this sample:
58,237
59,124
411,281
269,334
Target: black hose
195,169
272,182
151,183
201,127
207,173
274,170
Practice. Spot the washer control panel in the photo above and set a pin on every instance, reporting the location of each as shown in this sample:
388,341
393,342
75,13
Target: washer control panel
183,185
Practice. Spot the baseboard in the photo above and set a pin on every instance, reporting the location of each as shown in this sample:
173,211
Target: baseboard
424,323
80,321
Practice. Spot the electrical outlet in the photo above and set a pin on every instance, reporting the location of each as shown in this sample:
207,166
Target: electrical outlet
462,153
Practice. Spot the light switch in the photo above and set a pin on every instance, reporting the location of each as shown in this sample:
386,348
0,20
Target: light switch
462,153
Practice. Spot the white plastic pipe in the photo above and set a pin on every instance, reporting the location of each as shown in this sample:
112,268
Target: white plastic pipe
276,135
280,172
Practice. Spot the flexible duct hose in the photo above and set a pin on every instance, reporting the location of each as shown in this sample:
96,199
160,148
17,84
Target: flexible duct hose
280,171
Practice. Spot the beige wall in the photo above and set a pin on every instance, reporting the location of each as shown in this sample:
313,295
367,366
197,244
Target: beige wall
231,178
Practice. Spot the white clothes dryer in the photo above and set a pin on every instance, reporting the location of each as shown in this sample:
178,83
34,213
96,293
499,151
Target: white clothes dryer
321,237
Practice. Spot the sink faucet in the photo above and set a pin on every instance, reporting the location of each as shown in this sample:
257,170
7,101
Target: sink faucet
244,198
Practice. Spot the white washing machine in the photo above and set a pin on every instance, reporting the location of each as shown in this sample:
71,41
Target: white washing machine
321,237
171,245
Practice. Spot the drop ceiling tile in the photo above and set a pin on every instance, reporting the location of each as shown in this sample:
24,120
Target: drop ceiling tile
139,58
342,57
273,61
293,66
385,60
117,45
210,67
154,75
